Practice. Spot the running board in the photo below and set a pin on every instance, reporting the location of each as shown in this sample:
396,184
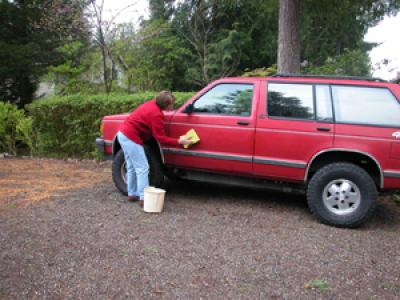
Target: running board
247,182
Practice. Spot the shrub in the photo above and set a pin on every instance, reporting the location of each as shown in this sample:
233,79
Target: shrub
350,63
260,72
15,128
67,126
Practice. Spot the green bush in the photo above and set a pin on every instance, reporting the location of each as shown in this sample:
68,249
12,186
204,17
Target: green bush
350,63
260,72
15,128
67,126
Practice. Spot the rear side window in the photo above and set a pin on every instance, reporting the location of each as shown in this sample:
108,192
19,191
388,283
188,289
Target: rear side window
293,101
365,106
226,99
323,102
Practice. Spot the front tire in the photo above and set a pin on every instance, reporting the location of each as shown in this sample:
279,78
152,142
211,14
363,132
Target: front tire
156,172
342,195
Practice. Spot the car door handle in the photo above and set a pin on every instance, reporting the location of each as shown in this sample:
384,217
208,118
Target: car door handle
323,129
245,123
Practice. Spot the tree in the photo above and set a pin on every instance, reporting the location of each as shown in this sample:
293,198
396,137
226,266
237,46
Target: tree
330,27
31,31
73,75
153,57
216,52
351,62
161,9
227,37
103,37
289,38
188,43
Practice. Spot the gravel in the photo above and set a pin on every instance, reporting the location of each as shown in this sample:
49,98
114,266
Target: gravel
213,242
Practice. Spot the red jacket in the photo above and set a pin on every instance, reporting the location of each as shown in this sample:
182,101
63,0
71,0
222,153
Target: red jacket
144,122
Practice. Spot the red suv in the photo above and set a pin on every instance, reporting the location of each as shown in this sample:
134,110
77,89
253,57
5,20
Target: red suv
336,139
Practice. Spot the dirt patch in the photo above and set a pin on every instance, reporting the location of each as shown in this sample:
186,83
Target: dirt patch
25,181
85,241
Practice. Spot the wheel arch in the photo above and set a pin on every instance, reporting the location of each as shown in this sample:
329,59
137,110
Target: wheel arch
360,158
152,144
116,146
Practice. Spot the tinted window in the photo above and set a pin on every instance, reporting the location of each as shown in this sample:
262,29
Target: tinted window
290,101
366,105
323,103
226,99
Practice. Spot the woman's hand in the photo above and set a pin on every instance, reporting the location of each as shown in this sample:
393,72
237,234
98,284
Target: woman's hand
183,140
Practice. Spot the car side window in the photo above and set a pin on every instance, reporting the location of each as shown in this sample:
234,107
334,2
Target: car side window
294,101
365,106
226,99
323,103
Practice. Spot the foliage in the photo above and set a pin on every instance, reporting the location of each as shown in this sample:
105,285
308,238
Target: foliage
260,72
72,76
30,32
198,31
105,33
15,128
396,198
318,284
225,36
352,63
154,60
330,27
161,9
67,126
183,46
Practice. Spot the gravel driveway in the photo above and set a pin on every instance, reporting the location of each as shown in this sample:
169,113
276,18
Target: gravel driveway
85,241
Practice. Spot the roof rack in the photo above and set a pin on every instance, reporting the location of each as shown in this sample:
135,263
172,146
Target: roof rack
328,77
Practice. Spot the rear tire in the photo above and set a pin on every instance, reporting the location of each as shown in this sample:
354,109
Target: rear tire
156,173
342,195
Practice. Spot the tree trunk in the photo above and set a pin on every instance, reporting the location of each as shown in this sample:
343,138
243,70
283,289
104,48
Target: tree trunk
289,38
106,79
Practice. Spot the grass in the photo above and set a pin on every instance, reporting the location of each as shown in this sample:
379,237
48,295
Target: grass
135,275
387,286
9,206
317,284
396,199
245,288
151,250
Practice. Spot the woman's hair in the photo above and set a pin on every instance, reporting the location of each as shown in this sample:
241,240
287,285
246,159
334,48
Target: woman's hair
164,99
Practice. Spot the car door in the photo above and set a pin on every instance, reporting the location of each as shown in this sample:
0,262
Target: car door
223,117
294,122
368,121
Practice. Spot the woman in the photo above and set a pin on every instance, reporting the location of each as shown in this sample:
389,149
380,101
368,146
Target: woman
143,123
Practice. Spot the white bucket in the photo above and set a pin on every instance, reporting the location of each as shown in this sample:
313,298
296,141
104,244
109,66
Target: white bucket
153,199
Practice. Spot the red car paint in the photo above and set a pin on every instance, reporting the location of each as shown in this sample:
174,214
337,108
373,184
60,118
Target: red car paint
261,146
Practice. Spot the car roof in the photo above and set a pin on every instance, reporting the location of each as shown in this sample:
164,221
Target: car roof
348,80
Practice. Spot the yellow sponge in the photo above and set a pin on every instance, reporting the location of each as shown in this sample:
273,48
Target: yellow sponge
192,135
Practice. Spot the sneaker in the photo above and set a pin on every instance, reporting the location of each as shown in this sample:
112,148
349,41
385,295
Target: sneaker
133,198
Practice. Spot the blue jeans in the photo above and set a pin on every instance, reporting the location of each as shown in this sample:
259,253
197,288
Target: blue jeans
137,166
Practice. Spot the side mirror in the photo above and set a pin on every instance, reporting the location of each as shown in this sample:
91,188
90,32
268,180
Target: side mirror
188,109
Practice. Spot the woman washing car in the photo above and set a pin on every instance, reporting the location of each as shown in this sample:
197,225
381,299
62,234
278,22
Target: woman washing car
144,122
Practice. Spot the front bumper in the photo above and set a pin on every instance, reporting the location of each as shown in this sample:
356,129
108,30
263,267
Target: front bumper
100,144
